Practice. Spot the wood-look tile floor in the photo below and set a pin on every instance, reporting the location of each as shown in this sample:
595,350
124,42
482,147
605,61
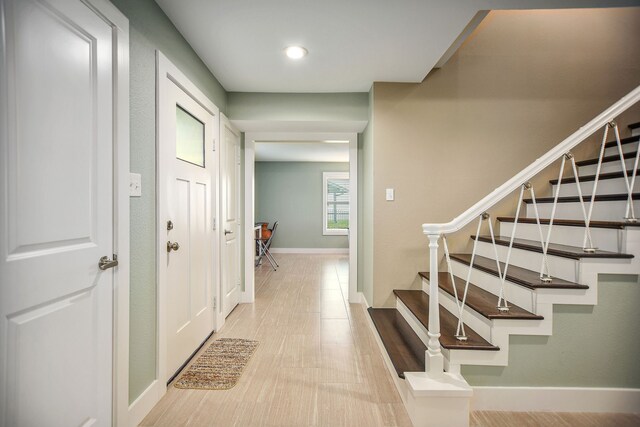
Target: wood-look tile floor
317,364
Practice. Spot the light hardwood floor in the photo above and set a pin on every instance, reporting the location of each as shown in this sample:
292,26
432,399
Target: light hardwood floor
317,363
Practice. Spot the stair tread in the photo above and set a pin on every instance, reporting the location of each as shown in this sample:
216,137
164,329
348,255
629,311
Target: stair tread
405,349
589,178
607,159
519,275
418,303
480,300
598,198
623,141
572,222
633,126
555,249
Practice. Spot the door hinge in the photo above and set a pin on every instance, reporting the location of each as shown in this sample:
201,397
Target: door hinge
214,224
214,303
214,145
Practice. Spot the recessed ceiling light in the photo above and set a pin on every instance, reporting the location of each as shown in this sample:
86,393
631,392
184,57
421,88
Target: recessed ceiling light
336,141
296,52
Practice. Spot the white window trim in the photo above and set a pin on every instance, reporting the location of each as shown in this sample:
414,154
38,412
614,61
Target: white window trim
326,176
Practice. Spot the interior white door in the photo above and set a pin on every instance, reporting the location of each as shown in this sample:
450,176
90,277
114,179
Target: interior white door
56,216
230,178
189,227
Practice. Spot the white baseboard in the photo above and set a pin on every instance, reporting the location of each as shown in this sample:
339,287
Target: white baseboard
309,250
556,399
246,297
145,402
363,300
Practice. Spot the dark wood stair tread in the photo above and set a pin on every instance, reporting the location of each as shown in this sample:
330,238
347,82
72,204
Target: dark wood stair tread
618,225
482,301
521,276
623,141
405,349
418,303
598,198
589,178
564,251
606,159
633,126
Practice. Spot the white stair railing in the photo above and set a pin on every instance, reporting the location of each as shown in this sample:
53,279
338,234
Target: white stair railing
434,360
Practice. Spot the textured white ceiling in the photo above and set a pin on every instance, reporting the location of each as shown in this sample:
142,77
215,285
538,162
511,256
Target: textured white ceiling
351,43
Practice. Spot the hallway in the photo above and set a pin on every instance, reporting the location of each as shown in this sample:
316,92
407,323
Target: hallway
317,362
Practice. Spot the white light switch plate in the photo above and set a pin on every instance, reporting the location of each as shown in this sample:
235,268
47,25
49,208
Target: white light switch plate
135,185
390,194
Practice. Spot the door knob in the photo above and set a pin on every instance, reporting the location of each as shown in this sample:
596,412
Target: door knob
172,246
227,232
105,263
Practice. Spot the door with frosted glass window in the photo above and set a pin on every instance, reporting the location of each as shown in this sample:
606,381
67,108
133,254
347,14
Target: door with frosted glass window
189,228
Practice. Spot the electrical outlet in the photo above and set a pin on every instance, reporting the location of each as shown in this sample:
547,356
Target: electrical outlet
135,185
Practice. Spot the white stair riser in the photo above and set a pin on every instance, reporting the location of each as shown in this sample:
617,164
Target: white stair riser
564,268
607,167
635,132
471,318
602,211
519,295
626,148
605,186
608,239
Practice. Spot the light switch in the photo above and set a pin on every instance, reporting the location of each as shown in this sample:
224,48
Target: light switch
135,185
390,194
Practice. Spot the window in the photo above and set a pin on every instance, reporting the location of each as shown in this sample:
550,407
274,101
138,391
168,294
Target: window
335,190
189,137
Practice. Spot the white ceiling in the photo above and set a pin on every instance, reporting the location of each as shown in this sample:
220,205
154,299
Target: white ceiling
302,151
351,43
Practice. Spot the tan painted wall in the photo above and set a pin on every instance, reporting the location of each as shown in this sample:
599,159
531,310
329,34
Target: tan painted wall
520,84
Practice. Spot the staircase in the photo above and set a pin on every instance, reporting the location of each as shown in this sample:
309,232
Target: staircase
508,285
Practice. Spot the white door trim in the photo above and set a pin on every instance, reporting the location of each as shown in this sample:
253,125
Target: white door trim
249,202
120,30
225,122
167,74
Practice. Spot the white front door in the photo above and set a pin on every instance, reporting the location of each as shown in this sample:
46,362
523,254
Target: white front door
188,249
56,214
230,176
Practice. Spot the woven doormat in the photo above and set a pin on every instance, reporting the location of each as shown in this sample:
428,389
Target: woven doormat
220,366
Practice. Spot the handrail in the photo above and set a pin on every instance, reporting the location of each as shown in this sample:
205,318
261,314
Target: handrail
534,168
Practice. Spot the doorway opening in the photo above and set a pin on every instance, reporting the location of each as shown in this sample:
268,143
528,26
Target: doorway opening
307,181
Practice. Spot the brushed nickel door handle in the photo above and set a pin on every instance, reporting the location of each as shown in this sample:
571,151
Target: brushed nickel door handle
105,263
172,246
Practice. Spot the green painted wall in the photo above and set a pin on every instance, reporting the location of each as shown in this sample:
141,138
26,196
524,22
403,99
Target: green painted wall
298,106
291,192
365,241
591,346
150,29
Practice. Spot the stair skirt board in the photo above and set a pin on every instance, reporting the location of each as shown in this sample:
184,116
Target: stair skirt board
556,399
400,383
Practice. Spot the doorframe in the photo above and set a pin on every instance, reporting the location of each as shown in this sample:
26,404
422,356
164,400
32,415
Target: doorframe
224,121
120,66
167,74
250,138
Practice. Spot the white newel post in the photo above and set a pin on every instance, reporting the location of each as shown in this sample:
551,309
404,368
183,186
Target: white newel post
436,398
434,360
